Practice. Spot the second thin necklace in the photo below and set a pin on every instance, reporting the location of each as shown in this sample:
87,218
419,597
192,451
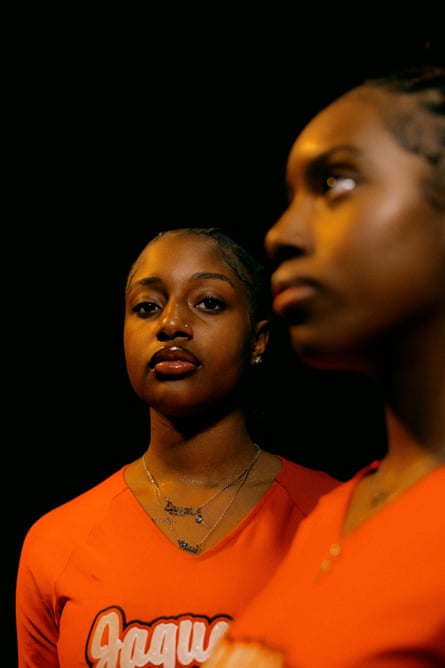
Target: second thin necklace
171,509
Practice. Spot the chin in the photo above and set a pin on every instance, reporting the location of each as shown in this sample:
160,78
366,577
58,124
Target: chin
325,355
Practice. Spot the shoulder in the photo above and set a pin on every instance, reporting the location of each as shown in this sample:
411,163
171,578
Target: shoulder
305,485
69,522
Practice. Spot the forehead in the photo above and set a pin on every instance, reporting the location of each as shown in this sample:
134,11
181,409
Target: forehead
178,256
355,120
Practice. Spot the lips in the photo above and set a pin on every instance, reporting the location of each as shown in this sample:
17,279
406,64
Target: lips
291,295
173,361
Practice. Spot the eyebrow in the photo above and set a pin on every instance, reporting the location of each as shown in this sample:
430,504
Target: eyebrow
319,162
331,154
155,280
350,148
338,148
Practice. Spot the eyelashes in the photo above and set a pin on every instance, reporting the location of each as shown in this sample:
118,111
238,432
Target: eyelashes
208,304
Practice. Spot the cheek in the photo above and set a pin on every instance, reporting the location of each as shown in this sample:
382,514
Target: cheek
406,262
233,356
382,241
381,294
136,355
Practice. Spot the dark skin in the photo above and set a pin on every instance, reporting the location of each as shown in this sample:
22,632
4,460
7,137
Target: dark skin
189,341
360,273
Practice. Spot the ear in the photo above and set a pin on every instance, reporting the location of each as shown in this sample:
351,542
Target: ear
260,340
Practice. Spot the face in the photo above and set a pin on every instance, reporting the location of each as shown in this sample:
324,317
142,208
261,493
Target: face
359,253
188,338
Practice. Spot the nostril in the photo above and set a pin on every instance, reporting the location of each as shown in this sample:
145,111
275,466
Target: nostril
281,253
166,334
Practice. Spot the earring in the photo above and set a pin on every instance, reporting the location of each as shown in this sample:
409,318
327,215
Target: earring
258,359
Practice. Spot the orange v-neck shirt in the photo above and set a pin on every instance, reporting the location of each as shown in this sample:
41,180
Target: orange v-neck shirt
373,598
100,586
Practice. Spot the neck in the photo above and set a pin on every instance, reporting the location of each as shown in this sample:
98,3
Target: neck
405,444
414,386
208,454
407,461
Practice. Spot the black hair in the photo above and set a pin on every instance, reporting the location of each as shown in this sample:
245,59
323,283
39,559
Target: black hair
250,271
415,80
422,133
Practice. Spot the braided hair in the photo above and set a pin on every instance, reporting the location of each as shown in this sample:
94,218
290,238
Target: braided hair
418,123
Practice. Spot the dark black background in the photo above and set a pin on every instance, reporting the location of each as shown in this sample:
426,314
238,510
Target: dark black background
123,126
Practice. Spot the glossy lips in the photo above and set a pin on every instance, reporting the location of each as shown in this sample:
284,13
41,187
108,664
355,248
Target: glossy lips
173,361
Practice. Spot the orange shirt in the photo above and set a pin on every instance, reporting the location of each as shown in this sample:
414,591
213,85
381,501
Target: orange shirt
373,598
100,586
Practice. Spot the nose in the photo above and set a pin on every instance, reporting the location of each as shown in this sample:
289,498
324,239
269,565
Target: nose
173,322
288,237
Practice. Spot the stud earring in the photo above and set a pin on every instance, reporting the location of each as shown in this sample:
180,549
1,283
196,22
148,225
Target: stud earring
258,359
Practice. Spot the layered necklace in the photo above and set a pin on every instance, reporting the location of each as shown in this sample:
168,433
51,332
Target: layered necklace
171,510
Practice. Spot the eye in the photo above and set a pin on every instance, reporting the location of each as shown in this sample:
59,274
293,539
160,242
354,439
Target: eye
339,183
335,173
145,309
337,179
211,304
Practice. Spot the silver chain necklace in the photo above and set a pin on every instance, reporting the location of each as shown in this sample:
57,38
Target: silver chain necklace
169,508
